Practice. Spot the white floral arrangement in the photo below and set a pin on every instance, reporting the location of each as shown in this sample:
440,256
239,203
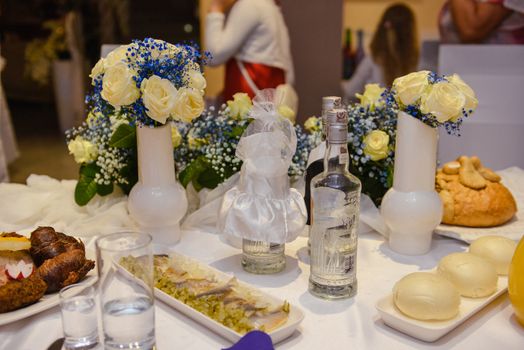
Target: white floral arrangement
433,99
148,83
206,155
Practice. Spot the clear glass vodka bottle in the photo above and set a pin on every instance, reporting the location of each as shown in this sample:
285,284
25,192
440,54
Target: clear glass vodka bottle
335,199
316,157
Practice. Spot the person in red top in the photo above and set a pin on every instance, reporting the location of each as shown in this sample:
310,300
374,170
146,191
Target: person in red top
253,41
482,21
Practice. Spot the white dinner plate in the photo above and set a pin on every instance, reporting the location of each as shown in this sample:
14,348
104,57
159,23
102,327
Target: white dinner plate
47,301
296,315
431,331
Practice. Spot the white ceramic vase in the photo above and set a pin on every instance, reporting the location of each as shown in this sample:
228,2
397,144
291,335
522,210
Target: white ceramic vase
157,202
412,208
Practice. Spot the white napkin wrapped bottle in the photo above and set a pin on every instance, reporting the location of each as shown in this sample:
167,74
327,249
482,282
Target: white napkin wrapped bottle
262,207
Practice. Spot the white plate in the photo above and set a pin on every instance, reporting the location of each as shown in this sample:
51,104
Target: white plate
294,318
47,301
430,331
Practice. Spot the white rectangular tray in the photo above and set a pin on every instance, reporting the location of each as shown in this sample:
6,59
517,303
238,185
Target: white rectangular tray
296,315
431,331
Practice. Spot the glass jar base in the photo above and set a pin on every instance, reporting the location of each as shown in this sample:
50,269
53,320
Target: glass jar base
333,292
263,267
84,343
145,344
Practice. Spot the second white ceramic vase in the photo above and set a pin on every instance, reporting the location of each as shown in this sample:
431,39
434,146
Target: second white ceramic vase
412,208
157,202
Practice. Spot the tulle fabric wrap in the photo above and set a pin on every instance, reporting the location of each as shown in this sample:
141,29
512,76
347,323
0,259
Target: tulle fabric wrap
262,206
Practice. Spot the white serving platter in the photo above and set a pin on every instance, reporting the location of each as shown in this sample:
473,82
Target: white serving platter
431,331
295,317
48,300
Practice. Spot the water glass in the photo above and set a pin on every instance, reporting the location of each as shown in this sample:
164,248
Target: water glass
126,298
262,257
79,317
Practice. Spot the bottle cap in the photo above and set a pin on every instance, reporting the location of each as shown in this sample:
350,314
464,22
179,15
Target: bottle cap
328,103
337,126
331,102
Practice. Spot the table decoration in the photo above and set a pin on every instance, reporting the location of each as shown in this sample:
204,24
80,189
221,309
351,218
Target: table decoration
209,166
137,90
261,208
412,208
516,282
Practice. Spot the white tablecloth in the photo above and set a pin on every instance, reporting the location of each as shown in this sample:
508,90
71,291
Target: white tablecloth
349,324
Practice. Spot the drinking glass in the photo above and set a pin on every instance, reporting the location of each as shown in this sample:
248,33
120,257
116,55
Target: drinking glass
262,257
125,271
79,317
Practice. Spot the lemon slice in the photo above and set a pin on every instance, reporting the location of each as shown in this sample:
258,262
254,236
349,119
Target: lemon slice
14,243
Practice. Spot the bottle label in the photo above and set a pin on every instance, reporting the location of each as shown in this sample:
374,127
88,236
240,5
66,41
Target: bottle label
344,156
334,233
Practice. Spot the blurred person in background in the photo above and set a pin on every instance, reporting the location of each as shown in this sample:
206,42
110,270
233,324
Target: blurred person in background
482,21
252,40
394,51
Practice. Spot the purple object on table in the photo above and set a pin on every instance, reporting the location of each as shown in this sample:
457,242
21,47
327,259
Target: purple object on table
254,340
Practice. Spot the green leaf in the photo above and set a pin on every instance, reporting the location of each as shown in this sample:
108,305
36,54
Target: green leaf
86,187
104,190
209,178
123,137
237,131
193,171
130,173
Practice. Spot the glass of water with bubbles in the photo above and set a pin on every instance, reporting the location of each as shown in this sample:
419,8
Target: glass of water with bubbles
79,317
125,271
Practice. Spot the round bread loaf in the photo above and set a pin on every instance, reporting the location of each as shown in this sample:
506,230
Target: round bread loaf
426,296
496,249
473,195
473,276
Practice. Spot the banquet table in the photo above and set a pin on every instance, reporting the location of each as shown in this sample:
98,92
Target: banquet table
349,324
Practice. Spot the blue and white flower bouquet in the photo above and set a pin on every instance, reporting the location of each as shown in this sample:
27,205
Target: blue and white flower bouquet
435,100
148,83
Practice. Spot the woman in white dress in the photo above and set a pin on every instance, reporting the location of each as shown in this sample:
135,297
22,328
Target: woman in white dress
394,51
254,38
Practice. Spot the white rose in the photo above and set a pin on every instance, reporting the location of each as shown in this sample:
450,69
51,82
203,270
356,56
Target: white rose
376,145
118,86
189,105
159,96
410,87
83,150
371,96
471,100
116,56
240,106
197,81
167,49
444,101
97,70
